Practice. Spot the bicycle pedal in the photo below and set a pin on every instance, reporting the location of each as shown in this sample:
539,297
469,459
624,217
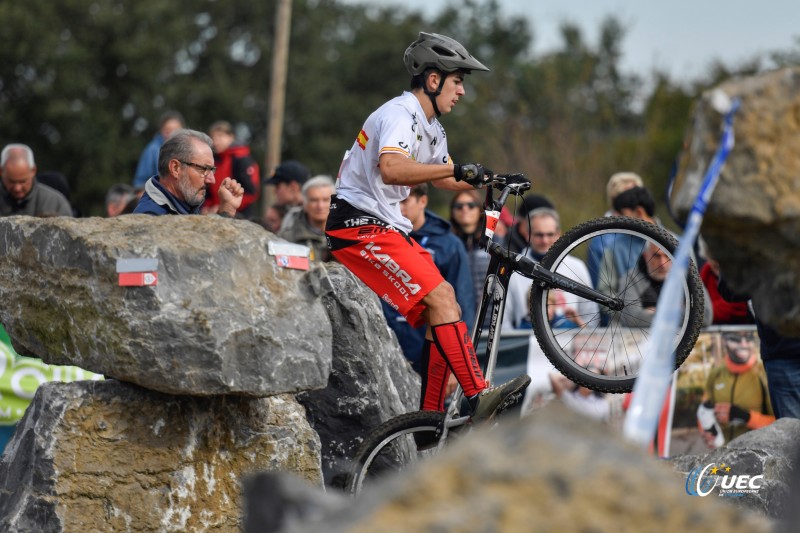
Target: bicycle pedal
511,401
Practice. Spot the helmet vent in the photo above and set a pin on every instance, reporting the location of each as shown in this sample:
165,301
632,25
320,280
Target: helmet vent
444,52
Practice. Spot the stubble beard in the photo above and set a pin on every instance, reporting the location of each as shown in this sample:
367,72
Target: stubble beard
191,196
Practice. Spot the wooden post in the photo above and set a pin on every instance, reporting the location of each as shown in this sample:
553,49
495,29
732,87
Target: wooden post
277,93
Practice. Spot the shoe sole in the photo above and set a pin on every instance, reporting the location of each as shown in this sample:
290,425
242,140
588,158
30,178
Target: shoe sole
513,398
510,399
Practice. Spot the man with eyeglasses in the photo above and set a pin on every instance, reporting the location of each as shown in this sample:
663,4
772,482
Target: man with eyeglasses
545,229
185,175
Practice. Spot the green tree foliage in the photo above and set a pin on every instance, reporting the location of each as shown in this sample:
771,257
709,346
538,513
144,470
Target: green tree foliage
84,82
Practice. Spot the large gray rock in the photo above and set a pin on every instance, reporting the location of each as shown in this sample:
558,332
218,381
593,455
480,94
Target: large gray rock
769,451
110,456
279,501
752,225
223,318
371,380
553,471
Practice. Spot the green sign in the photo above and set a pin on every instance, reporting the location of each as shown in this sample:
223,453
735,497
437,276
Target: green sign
21,376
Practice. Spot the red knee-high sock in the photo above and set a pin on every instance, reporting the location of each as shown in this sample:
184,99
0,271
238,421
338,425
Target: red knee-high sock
455,345
435,373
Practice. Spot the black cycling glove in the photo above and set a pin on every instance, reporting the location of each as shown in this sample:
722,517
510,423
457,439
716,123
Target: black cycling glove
472,173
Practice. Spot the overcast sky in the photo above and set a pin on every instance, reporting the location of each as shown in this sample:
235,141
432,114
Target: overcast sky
679,36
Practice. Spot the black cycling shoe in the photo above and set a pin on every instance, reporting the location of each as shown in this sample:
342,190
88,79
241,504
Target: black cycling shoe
494,400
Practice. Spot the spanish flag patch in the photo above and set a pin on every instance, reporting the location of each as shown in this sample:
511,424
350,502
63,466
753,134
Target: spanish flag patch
362,139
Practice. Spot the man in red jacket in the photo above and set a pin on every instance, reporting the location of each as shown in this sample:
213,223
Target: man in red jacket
232,161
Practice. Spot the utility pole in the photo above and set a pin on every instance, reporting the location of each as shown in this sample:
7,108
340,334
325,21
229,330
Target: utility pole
277,92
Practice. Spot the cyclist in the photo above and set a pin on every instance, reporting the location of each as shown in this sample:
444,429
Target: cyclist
400,145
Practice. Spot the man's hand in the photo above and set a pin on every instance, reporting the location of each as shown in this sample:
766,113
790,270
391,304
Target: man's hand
709,439
472,173
560,383
230,197
729,413
571,314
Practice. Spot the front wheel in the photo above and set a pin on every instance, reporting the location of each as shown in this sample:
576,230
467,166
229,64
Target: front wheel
597,347
394,446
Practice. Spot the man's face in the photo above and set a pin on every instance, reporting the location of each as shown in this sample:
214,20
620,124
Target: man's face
658,262
544,232
413,208
740,347
192,185
453,90
637,212
170,126
18,177
222,140
317,204
286,193
273,219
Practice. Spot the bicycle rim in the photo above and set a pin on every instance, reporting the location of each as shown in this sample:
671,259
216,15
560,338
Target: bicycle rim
392,448
603,349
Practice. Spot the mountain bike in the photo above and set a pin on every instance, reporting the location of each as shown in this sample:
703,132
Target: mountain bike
602,350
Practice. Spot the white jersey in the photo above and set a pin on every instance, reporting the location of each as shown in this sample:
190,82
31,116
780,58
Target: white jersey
397,127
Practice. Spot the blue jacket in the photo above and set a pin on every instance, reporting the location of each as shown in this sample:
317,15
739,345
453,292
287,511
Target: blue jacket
450,257
156,200
148,161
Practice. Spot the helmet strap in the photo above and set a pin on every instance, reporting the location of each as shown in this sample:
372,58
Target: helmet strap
433,94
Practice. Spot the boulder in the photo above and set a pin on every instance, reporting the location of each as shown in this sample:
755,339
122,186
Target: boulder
752,224
110,456
769,451
279,501
555,470
371,380
223,318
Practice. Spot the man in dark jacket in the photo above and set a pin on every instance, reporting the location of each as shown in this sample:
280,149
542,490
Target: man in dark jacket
306,224
185,173
21,193
434,234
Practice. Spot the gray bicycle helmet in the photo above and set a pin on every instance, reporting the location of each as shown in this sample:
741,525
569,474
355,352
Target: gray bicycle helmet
432,50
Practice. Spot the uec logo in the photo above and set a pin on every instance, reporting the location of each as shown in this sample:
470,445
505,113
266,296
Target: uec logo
700,484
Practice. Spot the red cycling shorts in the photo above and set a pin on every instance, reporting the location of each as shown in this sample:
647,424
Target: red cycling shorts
392,264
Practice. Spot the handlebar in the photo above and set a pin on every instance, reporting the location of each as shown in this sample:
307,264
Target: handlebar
515,184
516,181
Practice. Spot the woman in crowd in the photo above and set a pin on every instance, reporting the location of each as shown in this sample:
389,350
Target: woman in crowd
468,221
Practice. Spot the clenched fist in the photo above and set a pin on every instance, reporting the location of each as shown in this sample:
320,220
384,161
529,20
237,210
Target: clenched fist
230,197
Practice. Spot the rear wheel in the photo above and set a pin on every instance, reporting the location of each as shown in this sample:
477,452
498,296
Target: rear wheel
595,346
395,446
